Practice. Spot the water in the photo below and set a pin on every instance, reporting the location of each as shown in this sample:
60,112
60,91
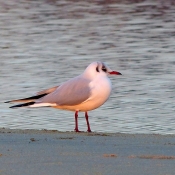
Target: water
44,43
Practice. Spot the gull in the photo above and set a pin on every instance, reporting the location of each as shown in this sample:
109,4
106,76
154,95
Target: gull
83,93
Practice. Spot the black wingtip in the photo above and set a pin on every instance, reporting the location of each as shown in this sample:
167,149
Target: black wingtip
12,107
29,98
15,106
22,105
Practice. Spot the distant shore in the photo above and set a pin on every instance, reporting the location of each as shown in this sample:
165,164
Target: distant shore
51,152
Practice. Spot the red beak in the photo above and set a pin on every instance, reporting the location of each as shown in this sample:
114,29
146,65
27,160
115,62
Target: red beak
115,73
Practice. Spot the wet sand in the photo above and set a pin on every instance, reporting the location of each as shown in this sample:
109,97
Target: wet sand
50,152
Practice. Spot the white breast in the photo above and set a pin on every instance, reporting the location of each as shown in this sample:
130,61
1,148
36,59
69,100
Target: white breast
101,89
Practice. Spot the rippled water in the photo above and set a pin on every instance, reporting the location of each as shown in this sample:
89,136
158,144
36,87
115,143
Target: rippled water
44,43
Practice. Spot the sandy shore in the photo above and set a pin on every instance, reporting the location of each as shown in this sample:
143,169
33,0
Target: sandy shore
34,152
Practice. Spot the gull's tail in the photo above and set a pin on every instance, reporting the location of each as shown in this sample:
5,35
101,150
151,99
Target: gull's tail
31,101
26,102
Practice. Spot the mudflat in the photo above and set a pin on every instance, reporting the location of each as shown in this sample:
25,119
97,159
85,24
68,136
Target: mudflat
50,152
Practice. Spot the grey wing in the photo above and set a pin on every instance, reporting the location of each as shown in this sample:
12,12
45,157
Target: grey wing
47,91
72,92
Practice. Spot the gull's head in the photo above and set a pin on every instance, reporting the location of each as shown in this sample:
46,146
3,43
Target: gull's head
99,68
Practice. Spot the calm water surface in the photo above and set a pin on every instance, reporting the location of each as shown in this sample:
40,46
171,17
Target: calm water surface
44,43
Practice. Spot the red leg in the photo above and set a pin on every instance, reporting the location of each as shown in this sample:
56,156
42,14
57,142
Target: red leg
76,122
88,125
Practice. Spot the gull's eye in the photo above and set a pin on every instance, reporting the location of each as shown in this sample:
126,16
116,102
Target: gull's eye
97,69
104,69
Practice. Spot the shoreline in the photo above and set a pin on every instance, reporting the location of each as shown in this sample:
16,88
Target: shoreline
45,131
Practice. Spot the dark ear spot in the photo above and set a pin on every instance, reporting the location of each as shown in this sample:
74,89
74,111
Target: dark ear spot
97,69
104,69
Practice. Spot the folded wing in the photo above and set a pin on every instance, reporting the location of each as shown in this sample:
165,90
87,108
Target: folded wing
72,92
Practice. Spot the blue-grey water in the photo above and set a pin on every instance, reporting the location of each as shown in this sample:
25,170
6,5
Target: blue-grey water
43,43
